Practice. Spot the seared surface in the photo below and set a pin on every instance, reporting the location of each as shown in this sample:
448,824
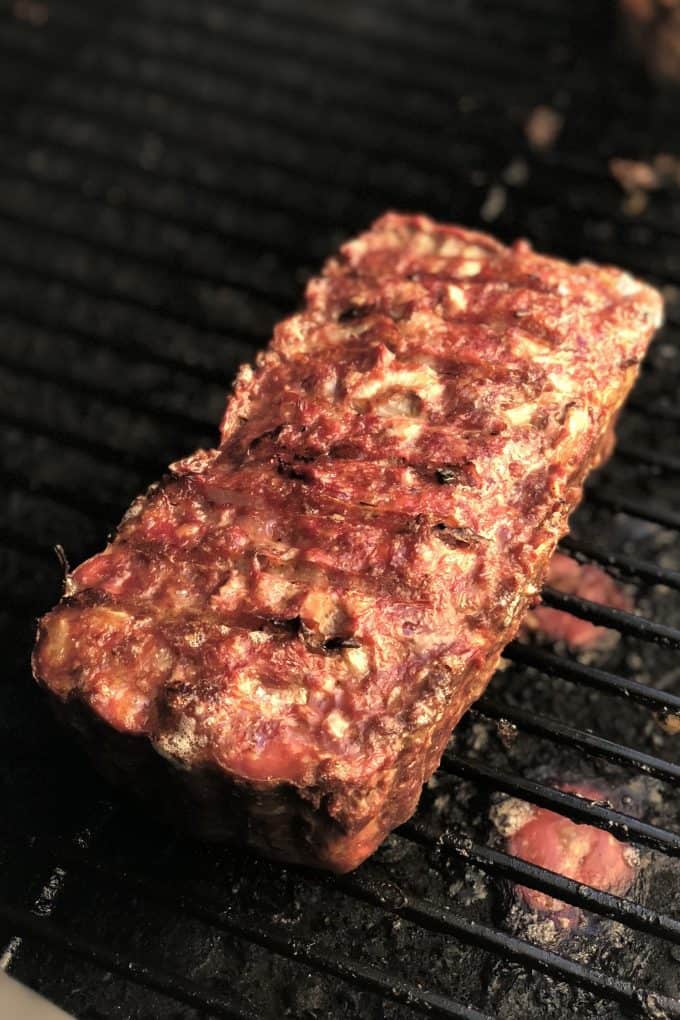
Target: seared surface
305,613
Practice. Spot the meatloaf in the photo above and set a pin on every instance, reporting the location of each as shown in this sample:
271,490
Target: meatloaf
278,642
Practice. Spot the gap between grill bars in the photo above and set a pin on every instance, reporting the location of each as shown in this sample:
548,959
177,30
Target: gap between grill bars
391,901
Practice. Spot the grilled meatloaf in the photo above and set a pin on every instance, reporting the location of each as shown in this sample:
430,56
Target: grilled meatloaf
285,630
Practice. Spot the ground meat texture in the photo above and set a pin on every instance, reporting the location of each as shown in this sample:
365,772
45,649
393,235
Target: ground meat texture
580,852
653,27
278,642
587,582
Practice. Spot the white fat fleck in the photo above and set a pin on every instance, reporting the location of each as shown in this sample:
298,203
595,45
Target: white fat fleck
421,716
455,297
180,745
337,724
258,637
470,267
525,346
357,659
422,380
626,284
561,382
406,430
577,421
270,701
451,246
195,639
631,856
247,685
520,415
511,815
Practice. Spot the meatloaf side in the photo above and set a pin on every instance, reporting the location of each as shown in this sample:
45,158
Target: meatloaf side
278,642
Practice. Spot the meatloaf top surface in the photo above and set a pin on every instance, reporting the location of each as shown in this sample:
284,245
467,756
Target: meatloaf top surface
384,486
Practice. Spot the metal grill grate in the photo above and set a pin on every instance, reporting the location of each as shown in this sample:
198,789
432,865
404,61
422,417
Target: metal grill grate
171,171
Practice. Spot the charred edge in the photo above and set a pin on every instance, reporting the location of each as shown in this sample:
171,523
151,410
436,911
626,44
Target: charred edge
288,470
458,474
272,434
334,643
354,312
291,625
456,536
296,627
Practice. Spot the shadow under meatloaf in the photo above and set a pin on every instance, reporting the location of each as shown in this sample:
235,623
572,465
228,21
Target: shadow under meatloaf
284,632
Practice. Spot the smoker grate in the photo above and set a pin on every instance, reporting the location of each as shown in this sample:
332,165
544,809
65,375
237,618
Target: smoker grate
171,171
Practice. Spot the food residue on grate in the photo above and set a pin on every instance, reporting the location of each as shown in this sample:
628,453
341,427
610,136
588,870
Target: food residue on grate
585,581
542,127
639,177
583,853
494,203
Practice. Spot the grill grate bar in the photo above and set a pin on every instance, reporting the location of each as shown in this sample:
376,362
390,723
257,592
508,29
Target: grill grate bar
624,827
659,410
552,729
434,78
279,301
346,191
132,352
409,152
184,419
292,947
590,676
26,923
285,249
620,503
393,901
135,38
88,502
615,619
89,197
238,188
111,297
294,127
230,104
629,566
511,947
649,458
76,441
497,863
381,66
298,209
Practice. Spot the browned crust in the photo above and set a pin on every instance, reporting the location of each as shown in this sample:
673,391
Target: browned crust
297,620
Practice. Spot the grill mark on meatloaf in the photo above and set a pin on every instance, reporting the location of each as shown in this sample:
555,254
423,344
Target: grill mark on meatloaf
314,604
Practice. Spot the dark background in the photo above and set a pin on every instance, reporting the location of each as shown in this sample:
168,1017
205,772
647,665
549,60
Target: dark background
171,172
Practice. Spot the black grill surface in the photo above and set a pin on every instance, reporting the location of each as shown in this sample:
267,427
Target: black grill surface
171,171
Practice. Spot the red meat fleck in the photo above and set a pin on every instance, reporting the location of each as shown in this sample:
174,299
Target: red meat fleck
587,582
580,852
